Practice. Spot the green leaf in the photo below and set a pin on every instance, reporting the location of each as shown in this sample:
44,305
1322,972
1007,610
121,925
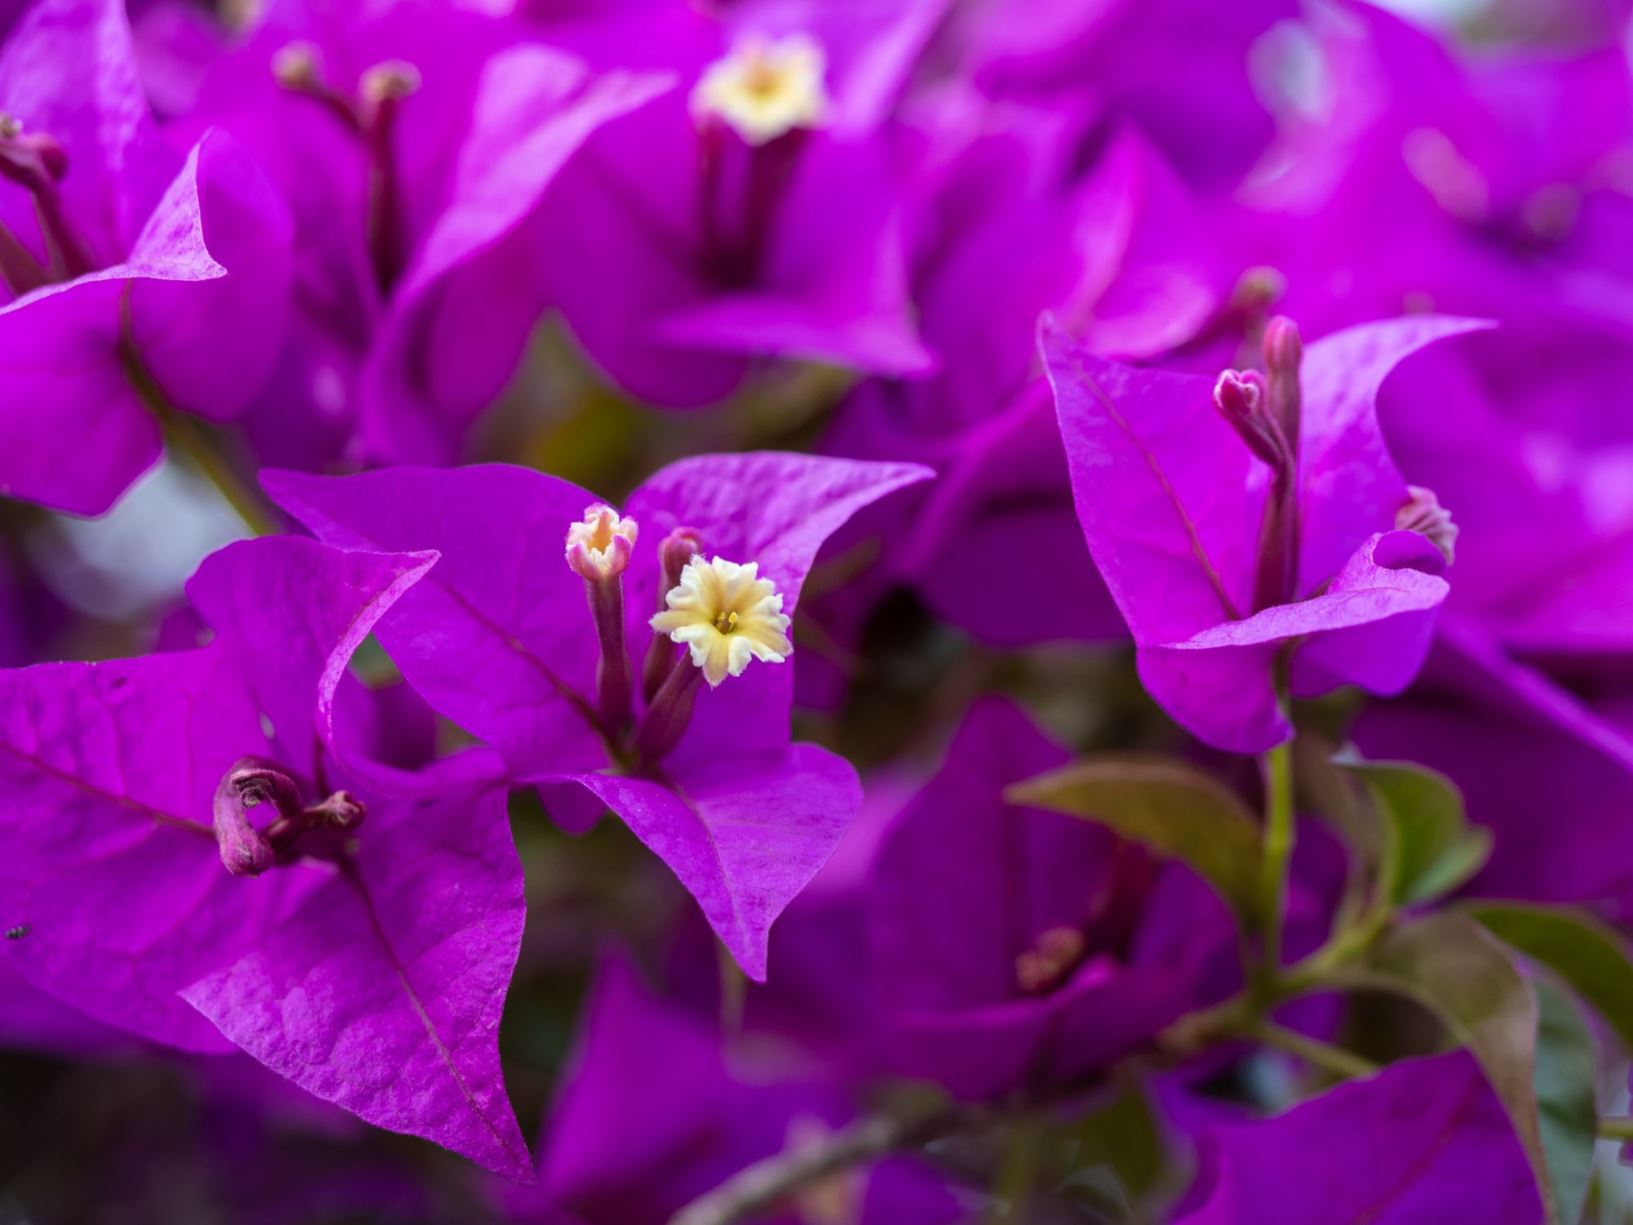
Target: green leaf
1122,1135
1168,807
1589,956
1567,1111
1454,967
1427,847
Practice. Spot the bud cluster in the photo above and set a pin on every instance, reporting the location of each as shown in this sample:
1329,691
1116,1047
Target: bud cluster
1265,410
722,612
370,113
254,787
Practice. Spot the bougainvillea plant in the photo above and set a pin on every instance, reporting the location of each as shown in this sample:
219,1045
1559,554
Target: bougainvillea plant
836,613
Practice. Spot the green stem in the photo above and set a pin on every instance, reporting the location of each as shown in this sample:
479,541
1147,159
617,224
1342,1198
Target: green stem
1278,851
1012,1192
1616,1128
733,990
184,436
1319,968
1323,1055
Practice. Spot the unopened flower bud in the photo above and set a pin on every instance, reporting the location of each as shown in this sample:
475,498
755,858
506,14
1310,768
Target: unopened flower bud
1240,396
258,782
668,714
1424,514
342,810
257,791
374,112
599,547
295,66
1284,397
388,81
251,784
1283,347
239,16
1258,288
674,552
319,831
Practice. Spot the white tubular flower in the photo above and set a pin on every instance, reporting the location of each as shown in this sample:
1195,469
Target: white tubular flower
600,546
764,88
726,615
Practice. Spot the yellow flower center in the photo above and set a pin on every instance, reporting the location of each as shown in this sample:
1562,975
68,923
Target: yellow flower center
726,615
763,88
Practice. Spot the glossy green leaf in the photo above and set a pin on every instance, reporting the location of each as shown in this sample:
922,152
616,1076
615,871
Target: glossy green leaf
1589,956
1427,848
1457,969
1566,1109
1167,806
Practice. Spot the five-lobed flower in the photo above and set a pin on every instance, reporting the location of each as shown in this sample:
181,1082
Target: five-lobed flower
497,640
725,615
764,88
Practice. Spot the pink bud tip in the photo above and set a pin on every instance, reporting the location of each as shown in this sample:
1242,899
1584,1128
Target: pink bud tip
674,551
390,81
295,66
1241,397
1283,347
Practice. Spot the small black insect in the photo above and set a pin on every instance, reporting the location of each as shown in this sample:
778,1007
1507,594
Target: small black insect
18,932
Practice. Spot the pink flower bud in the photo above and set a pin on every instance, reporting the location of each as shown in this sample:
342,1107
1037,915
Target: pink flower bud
1240,396
674,551
1284,397
295,66
388,81
1283,347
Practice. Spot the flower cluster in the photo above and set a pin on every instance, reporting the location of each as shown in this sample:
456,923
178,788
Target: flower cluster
816,613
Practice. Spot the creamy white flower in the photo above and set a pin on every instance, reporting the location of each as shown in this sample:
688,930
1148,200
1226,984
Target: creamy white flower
765,87
600,546
726,615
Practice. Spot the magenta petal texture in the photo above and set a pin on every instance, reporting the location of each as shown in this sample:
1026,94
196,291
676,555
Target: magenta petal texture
744,837
1177,512
333,968
1451,1154
817,612
149,257
383,992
